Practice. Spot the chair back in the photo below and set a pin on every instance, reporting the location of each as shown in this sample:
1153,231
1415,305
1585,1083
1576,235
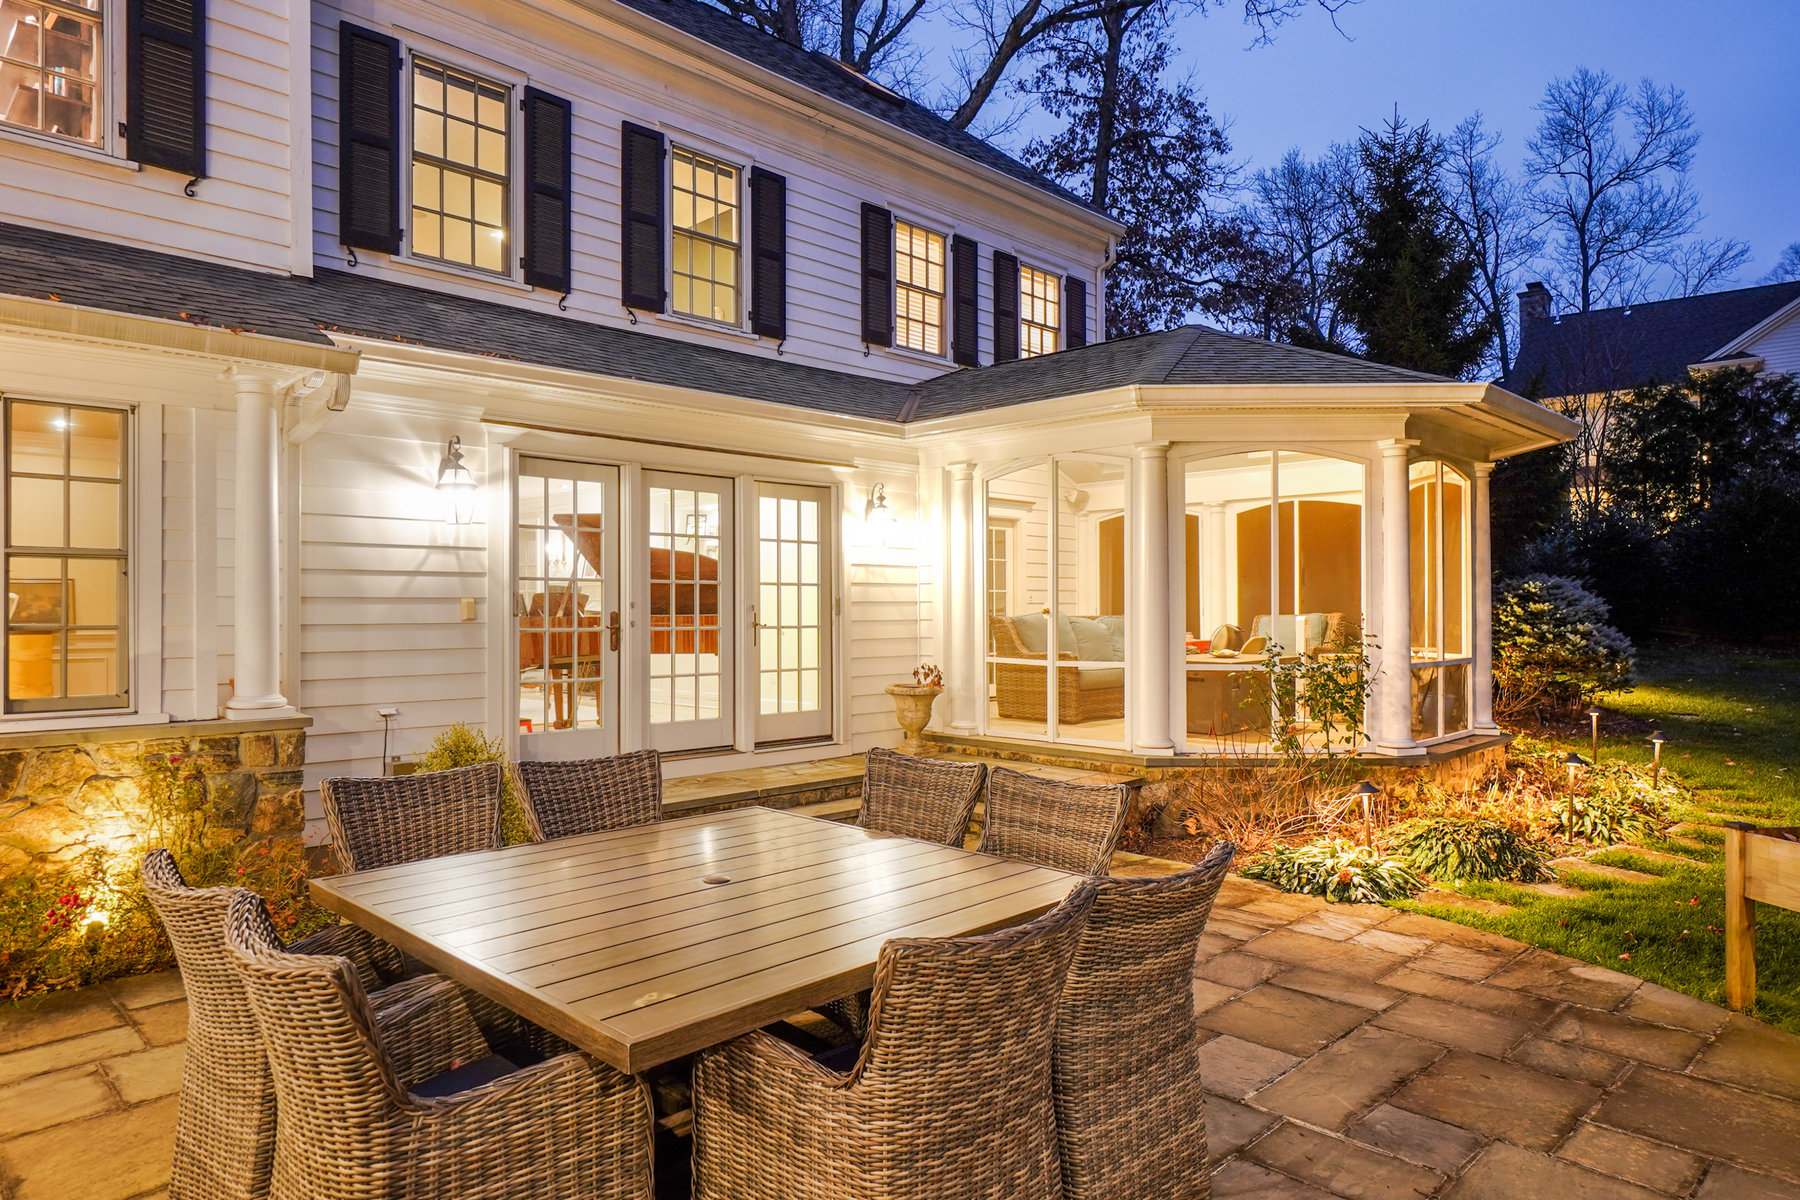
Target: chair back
926,798
563,799
1127,1059
387,820
1069,826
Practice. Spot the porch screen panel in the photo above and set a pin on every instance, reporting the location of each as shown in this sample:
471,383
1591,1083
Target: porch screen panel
564,528
1021,524
684,525
1442,619
1091,591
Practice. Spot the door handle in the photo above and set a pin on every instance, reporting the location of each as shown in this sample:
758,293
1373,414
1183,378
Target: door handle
756,627
612,628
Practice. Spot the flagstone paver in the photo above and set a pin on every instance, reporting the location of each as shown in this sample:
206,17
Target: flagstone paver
1350,1053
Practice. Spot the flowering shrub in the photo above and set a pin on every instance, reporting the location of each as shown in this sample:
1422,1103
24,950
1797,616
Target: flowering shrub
1337,870
1554,648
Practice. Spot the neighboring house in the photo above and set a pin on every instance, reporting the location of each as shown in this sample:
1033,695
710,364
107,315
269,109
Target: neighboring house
611,375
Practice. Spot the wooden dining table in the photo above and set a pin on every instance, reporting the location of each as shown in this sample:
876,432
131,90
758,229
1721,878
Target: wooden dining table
645,944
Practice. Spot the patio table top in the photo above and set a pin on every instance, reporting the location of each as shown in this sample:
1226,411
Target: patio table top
641,945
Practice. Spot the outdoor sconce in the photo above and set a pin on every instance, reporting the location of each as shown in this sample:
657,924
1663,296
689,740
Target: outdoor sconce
876,511
1594,715
1366,792
455,486
1656,744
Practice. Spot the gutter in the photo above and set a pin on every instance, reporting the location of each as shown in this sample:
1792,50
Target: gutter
161,333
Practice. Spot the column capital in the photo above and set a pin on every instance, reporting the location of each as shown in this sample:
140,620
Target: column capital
1150,450
962,470
1396,447
1482,470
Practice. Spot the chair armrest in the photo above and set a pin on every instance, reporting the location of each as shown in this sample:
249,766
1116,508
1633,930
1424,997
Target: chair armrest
428,1032
376,961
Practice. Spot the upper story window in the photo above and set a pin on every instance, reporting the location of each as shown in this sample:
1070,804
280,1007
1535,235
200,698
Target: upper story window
460,163
706,236
50,68
1040,312
918,288
66,557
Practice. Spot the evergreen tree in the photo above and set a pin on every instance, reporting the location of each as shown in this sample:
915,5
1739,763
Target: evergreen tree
1406,281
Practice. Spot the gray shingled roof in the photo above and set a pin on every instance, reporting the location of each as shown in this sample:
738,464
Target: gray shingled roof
47,265
1617,349
823,74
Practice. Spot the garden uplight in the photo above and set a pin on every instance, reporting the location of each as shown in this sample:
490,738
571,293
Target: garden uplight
1366,793
1594,715
1656,744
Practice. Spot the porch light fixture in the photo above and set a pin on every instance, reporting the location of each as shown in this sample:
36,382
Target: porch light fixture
1366,793
455,486
876,511
1594,715
1656,744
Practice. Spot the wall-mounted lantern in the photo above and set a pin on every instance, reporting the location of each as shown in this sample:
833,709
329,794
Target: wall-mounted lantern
455,486
876,513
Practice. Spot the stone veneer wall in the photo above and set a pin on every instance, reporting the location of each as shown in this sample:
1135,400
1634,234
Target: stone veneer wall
61,794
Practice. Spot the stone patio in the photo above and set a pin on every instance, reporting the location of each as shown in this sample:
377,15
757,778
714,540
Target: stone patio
1352,1052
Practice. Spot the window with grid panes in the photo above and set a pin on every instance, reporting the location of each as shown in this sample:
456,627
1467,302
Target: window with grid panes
706,236
459,167
1040,312
918,288
51,67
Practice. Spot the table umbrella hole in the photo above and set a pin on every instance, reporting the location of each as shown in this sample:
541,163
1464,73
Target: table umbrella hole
716,879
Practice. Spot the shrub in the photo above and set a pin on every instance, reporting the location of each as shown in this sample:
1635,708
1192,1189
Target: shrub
1337,870
1617,557
1618,805
1740,558
1462,846
462,745
1553,647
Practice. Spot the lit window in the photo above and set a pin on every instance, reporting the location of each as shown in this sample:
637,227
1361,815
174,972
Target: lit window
66,557
919,288
1040,312
459,168
706,237
50,67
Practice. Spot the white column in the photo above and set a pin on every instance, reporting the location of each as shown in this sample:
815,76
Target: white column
256,542
1147,625
965,677
1484,605
1391,730
1213,577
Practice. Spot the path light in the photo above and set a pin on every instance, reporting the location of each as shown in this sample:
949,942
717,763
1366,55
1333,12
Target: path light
1656,744
1594,715
1574,762
455,486
1366,792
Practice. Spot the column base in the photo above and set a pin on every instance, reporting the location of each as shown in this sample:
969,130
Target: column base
256,708
1409,750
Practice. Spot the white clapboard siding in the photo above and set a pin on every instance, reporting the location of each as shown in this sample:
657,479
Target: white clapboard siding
1780,346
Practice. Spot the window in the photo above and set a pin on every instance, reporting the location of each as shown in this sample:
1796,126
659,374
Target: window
66,557
1040,312
706,237
1442,613
918,288
50,67
999,568
459,167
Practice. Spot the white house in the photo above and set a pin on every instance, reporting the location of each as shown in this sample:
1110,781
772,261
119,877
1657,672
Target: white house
607,374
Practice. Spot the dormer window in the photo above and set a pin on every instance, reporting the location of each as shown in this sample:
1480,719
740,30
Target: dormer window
1040,312
460,164
705,237
918,288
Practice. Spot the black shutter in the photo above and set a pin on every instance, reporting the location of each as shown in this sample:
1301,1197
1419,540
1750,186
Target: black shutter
368,139
547,184
1075,312
165,84
641,238
1006,307
768,254
877,275
965,307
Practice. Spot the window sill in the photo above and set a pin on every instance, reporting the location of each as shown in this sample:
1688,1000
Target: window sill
941,361
62,146
432,267
686,322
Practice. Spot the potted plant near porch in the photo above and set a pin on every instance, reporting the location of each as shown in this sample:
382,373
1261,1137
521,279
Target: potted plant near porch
912,705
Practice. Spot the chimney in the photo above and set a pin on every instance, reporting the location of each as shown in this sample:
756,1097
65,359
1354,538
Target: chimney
1534,303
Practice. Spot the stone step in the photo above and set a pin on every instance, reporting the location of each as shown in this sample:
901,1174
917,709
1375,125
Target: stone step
1622,874
1554,888
1678,860
823,782
1688,842
1448,899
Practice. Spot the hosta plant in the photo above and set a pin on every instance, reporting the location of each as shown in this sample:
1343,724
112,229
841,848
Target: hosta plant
1454,847
1337,870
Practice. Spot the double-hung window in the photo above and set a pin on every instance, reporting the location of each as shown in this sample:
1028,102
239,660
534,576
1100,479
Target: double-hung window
918,288
66,557
51,68
460,159
1040,312
705,236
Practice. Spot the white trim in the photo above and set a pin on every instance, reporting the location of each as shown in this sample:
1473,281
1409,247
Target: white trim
1767,325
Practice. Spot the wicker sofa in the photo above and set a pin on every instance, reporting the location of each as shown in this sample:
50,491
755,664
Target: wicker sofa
1082,693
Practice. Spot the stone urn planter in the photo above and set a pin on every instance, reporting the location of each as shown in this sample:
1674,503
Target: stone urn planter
912,706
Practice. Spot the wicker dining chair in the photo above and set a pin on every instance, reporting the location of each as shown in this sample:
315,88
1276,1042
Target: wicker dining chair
948,1099
386,820
926,798
412,1102
1127,1060
1069,826
225,1127
563,799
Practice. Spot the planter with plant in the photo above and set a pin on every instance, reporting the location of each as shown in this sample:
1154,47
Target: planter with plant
912,705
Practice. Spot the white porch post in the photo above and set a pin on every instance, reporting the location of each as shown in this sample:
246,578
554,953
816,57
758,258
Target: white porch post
962,643
1147,566
1212,581
1392,728
255,611
1484,605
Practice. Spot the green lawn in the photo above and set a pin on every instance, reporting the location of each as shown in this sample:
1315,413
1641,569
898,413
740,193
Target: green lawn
1733,723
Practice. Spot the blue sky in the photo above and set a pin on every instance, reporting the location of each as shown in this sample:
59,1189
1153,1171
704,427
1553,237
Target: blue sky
1737,60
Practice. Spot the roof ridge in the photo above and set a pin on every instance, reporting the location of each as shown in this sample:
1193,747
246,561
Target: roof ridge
1695,298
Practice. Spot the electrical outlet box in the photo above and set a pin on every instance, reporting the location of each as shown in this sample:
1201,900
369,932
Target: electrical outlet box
468,608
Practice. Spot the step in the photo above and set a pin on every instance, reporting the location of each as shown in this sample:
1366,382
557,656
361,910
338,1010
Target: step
827,781
1553,888
1678,860
1448,899
1622,874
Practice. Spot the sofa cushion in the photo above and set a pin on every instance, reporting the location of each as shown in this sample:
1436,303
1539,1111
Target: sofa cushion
1099,679
1094,642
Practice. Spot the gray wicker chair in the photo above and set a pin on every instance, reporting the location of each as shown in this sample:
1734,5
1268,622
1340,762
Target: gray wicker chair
387,820
1069,826
949,1098
410,1103
1127,1063
563,799
225,1129
926,798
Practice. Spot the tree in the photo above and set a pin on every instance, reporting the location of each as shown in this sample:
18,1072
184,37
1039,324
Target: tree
1406,280
1619,203
1499,231
1298,216
1787,267
1151,154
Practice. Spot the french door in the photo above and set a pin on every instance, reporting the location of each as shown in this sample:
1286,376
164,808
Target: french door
566,607
791,618
686,557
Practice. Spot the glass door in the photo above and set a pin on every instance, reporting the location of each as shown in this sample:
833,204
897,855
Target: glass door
790,621
566,608
687,560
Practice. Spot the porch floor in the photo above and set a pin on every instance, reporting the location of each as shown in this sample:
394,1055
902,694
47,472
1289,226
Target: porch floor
1350,1052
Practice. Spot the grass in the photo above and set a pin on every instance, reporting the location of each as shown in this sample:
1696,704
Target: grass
1733,724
